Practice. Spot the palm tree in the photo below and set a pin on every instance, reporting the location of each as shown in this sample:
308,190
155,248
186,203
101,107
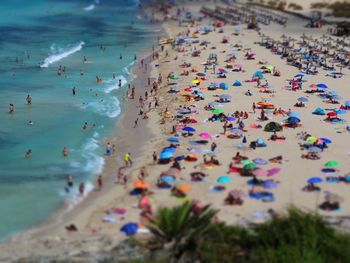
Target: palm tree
178,229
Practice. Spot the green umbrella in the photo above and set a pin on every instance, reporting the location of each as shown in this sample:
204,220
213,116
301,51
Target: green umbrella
217,111
331,164
249,166
270,67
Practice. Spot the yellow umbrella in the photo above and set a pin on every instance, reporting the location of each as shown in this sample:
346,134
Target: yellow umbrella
195,81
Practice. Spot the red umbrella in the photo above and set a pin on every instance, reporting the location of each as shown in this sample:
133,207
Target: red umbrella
331,114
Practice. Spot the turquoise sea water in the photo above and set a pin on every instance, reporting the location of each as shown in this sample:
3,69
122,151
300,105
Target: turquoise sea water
52,33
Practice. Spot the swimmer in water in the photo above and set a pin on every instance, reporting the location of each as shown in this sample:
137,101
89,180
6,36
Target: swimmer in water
70,181
65,151
85,126
74,91
11,108
30,123
28,154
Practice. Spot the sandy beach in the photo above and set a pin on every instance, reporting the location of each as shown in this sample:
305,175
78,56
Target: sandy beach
93,216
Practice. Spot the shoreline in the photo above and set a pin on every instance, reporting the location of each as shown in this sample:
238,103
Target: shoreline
63,215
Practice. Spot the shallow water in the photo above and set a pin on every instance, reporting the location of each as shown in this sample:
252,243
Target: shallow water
35,38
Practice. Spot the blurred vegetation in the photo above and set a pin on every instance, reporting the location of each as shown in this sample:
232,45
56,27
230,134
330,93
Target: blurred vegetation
298,236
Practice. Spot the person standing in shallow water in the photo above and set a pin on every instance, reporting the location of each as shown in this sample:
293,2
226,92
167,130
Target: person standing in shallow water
29,100
74,91
11,108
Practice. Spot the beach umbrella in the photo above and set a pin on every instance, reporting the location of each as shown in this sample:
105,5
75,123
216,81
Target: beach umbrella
185,111
249,166
258,74
326,140
272,127
205,135
214,104
189,129
314,150
273,171
347,103
294,115
314,180
299,75
236,131
237,83
336,97
293,120
303,99
195,81
332,198
311,139
331,164
331,114
223,86
319,111
340,111
217,111
200,74
166,155
224,179
260,172
322,86
260,161
140,184
230,118
225,97
183,188
173,139
237,65
167,179
174,89
222,71
269,184
129,229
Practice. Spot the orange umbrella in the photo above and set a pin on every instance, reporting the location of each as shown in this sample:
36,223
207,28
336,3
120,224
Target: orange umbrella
141,185
183,188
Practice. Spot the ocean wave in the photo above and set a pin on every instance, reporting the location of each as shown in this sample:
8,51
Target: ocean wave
89,8
60,54
113,84
108,107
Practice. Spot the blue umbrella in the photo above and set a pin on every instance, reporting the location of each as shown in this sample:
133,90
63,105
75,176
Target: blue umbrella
223,86
237,83
258,74
303,99
293,120
347,103
230,118
299,75
189,129
314,180
294,115
340,111
166,155
337,97
168,179
322,86
269,184
222,71
260,161
224,179
129,229
319,111
173,139
326,140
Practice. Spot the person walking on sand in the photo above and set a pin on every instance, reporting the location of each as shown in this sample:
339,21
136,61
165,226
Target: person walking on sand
127,160
136,123
99,182
254,107
155,158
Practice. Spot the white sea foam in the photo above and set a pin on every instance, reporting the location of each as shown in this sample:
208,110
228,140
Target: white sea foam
59,54
113,84
89,8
